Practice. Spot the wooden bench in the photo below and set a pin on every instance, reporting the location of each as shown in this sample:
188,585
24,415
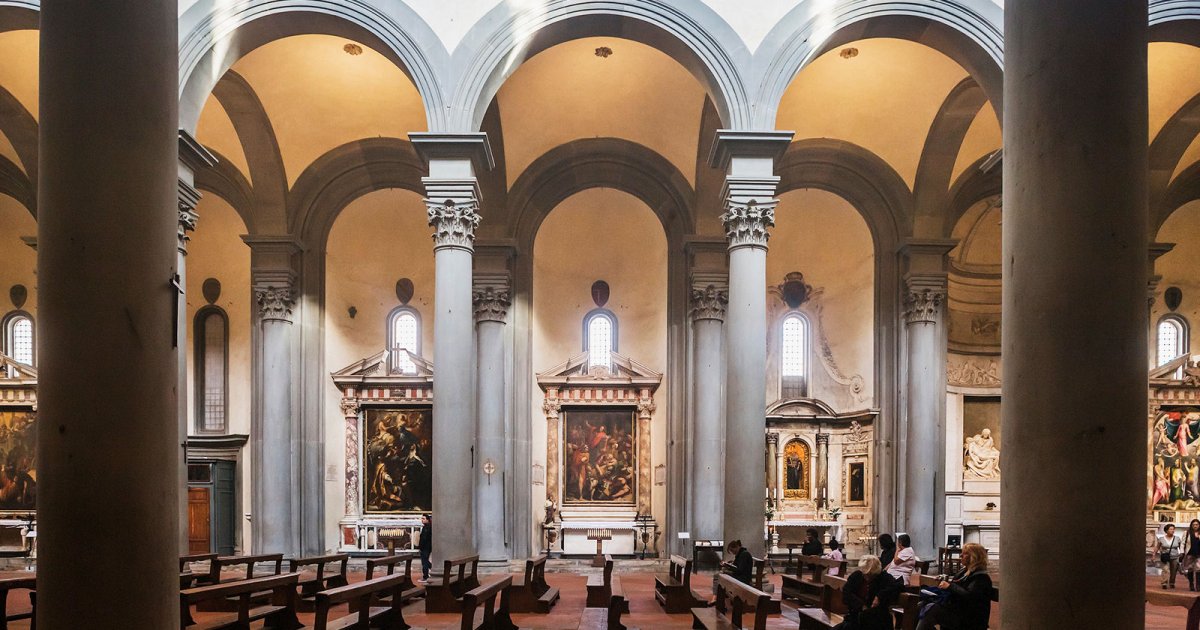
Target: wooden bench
600,588
832,607
673,590
808,590
530,593
322,581
359,597
482,600
609,616
908,605
13,584
279,612
216,575
1190,601
775,604
734,602
185,564
445,596
388,565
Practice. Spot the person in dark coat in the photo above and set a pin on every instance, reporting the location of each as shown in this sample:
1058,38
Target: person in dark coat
812,544
968,603
887,549
869,594
741,568
425,545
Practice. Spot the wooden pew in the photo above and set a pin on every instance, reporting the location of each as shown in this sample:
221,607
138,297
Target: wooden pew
600,588
216,576
279,613
482,600
808,590
832,607
775,604
185,564
388,565
908,606
1190,601
609,617
359,597
673,590
13,584
446,596
530,593
322,581
734,602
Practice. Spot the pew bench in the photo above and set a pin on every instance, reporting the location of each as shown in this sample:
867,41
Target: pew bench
185,565
1189,601
479,608
359,597
832,607
279,612
738,606
673,590
609,616
323,580
908,606
775,603
808,589
8,585
216,575
459,575
600,588
390,565
530,593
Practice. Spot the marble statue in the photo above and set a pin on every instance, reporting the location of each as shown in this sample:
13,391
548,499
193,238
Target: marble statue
982,457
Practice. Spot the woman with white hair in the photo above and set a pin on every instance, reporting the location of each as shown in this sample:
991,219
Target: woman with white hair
868,594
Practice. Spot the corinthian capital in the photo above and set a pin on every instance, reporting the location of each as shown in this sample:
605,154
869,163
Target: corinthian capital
923,305
188,198
491,304
453,222
748,224
709,303
275,302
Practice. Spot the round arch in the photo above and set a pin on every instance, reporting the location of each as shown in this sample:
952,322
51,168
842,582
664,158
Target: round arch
686,30
1175,21
968,31
19,15
217,33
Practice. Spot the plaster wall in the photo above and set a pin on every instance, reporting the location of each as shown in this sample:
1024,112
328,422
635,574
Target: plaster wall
983,137
216,251
601,234
19,71
376,240
825,238
19,260
1178,268
215,131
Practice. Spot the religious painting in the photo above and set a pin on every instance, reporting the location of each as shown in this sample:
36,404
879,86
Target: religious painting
1175,482
398,473
599,457
856,483
18,448
795,469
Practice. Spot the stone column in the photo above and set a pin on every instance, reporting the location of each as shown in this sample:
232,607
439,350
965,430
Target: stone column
452,198
1074,327
350,409
274,493
491,310
923,306
552,407
773,466
748,159
708,428
108,442
823,470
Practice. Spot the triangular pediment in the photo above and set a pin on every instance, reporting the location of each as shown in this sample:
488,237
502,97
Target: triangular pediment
622,371
1166,371
12,370
377,368
811,408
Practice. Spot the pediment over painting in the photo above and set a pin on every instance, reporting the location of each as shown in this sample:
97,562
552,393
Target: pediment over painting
1180,371
623,372
813,409
376,369
11,370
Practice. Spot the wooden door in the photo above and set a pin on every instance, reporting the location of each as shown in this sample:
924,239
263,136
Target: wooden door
199,521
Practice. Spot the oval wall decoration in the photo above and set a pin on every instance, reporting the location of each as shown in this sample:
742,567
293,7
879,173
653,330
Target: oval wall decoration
18,294
600,293
211,290
404,290
1173,297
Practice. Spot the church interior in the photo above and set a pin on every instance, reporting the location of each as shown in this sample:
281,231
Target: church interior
622,280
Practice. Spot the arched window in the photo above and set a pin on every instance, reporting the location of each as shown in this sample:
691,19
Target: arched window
794,357
18,337
210,333
404,336
1172,338
600,338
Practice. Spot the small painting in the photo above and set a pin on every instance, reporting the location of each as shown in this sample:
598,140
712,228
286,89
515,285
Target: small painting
399,458
856,484
795,466
18,450
1175,479
599,457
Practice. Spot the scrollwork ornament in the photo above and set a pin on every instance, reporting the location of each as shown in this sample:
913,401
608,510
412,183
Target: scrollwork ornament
749,224
453,223
349,407
552,408
187,223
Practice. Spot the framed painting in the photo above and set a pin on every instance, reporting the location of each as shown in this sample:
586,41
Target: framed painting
398,459
795,470
599,457
855,483
1175,461
18,451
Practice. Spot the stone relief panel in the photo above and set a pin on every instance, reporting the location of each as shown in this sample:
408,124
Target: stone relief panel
972,371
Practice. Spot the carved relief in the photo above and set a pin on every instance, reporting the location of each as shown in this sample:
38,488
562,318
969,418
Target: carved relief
275,302
981,458
923,305
491,305
453,222
188,198
749,224
709,303
963,371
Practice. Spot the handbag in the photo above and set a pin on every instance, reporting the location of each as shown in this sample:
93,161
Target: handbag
1165,556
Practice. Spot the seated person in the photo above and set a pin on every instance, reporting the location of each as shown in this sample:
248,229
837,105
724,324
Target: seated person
968,602
812,544
741,568
905,561
835,553
869,594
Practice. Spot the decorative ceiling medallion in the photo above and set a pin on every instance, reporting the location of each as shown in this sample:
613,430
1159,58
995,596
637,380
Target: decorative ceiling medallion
600,293
404,290
353,49
604,52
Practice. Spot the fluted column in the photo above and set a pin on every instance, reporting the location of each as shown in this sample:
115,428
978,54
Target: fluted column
748,159
923,307
1074,326
452,199
708,409
491,311
107,443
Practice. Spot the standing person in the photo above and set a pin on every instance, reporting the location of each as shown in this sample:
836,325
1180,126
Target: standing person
835,553
425,546
905,561
887,549
741,568
1168,547
1191,554
968,602
868,595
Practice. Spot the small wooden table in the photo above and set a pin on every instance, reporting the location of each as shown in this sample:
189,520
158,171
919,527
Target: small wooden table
599,535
